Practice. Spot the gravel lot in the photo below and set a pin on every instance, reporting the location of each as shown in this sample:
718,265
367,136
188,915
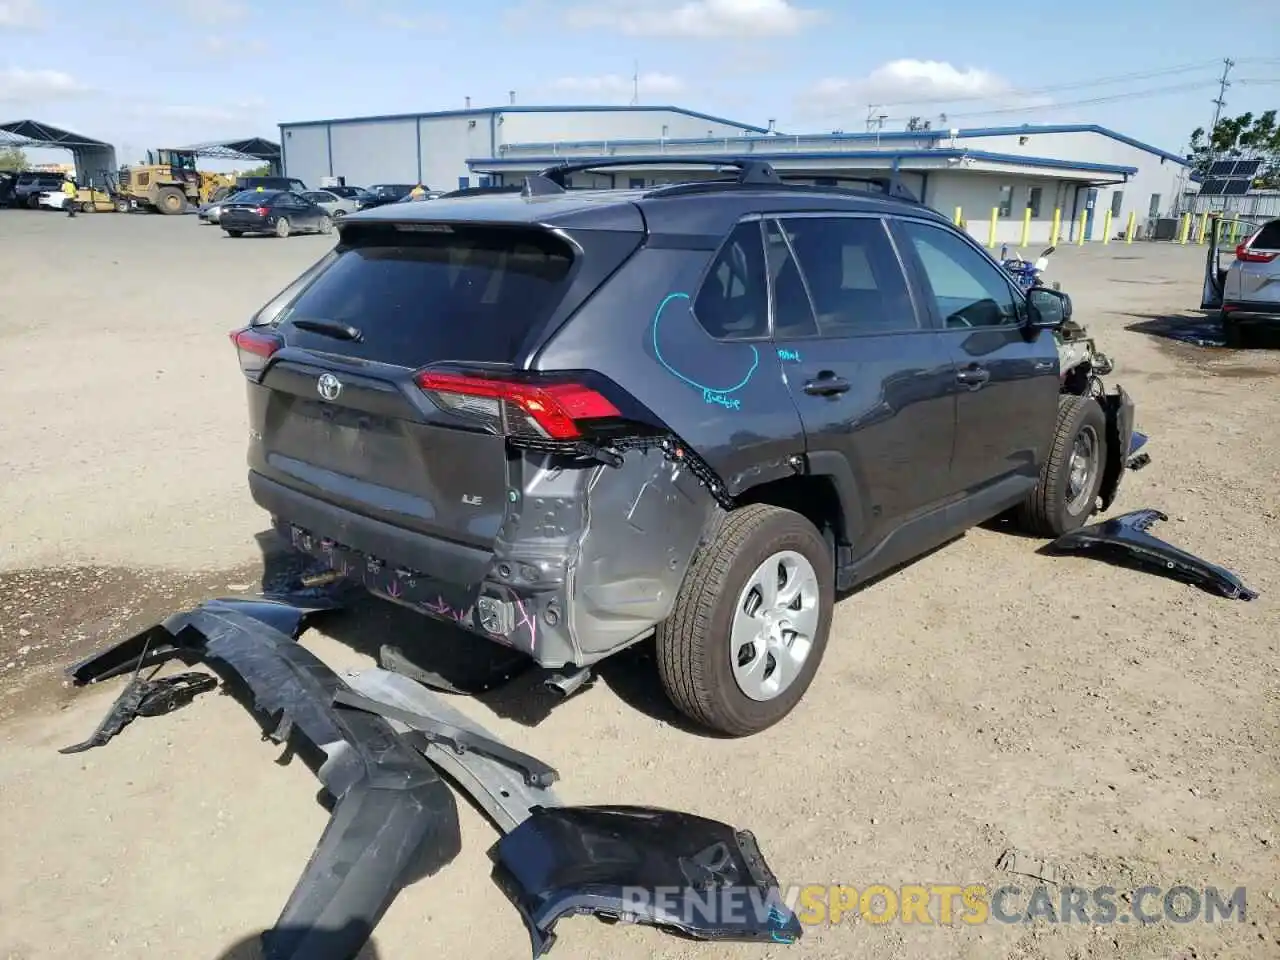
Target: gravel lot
1117,724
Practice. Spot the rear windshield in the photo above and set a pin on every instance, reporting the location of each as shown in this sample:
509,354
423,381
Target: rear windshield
254,196
1268,237
470,294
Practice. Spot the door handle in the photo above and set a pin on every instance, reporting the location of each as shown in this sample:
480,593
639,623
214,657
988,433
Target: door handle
973,376
826,384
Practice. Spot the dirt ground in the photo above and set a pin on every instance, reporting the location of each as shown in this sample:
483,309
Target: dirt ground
1117,724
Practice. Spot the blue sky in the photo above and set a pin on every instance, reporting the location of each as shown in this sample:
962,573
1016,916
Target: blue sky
200,70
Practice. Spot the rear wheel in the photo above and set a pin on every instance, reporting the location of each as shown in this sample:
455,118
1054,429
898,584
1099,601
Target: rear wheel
171,201
750,623
122,206
1067,491
235,233
282,227
87,207
326,225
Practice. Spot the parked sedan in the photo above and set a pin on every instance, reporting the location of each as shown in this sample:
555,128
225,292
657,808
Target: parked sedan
388,193
336,206
278,212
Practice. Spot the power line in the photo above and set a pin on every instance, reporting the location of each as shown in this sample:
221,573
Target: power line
1091,101
1059,87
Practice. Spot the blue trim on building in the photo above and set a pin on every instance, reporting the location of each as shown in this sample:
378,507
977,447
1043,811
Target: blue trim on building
932,136
566,108
894,156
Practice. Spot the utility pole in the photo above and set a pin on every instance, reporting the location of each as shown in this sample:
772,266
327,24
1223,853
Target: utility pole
1221,101
635,84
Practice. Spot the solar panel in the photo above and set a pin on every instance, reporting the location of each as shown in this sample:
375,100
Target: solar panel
1246,168
1213,188
1221,168
1236,188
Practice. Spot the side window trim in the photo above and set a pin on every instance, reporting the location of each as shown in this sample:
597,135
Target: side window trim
921,275
924,316
777,222
705,274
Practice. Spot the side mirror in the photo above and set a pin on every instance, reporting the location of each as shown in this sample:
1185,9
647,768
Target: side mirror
1047,309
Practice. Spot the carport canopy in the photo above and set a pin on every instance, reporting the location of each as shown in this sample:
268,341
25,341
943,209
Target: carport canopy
93,158
254,148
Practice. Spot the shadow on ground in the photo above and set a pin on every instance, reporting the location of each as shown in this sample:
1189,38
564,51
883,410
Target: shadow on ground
1204,329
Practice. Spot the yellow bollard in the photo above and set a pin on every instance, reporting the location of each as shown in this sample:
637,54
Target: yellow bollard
991,232
1057,226
1185,232
958,218
1204,227
1084,216
1106,228
1026,227
1128,233
1235,230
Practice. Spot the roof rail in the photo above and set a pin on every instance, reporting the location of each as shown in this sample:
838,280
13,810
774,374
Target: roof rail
892,185
750,170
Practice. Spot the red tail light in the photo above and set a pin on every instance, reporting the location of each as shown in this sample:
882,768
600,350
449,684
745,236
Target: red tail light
255,347
552,411
1246,255
261,211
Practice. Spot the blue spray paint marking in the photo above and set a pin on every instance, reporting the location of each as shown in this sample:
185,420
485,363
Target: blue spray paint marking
790,356
717,395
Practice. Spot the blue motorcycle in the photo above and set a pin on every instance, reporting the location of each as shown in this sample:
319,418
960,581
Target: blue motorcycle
1024,272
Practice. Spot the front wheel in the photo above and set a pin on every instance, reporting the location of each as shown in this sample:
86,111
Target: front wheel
326,226
1066,494
750,623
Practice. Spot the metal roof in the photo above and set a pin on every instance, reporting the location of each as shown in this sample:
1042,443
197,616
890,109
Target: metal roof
253,148
889,157
551,108
891,136
20,133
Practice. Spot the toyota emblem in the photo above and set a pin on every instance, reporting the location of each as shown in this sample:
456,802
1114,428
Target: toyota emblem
329,386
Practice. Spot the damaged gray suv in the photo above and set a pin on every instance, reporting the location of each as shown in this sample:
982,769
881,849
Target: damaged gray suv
571,420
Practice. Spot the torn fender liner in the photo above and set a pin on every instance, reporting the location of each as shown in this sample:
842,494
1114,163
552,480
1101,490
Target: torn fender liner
394,821
1126,536
641,865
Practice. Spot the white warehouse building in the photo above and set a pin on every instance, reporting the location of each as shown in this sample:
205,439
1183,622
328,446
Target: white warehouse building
991,176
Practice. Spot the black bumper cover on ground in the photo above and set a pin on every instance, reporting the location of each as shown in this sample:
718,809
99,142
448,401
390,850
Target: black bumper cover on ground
394,820
696,876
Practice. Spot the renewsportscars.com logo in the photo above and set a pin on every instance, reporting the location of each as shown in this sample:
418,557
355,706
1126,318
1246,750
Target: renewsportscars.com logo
940,904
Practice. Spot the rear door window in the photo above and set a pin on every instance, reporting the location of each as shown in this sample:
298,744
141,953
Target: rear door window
468,294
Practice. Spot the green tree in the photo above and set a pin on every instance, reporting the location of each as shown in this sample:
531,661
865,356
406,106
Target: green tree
1246,137
12,158
262,171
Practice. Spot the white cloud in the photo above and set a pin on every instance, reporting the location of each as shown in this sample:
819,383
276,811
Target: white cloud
217,45
216,13
911,82
613,86
396,20
695,18
18,85
20,15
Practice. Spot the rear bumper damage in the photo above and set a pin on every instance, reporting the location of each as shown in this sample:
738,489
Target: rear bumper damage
395,820
552,585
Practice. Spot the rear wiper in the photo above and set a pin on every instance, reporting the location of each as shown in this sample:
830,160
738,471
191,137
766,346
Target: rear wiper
331,328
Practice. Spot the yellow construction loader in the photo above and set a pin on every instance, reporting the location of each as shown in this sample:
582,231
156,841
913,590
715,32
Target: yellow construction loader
168,182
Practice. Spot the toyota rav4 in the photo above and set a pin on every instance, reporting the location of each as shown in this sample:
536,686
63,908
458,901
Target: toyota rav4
571,420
